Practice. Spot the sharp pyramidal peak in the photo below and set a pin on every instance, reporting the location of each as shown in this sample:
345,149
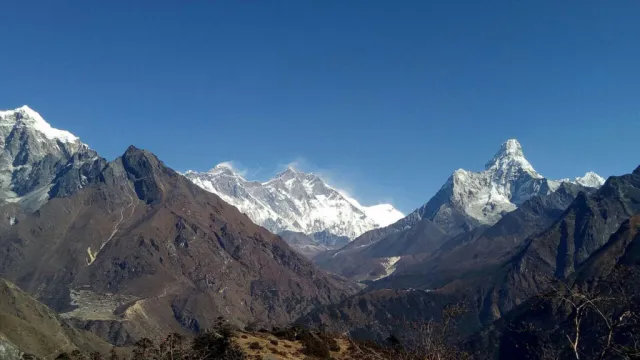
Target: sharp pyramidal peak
484,197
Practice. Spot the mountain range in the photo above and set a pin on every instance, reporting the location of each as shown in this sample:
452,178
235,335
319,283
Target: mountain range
507,276
468,200
130,248
95,252
295,201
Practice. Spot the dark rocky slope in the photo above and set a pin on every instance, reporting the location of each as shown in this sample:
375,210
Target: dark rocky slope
606,287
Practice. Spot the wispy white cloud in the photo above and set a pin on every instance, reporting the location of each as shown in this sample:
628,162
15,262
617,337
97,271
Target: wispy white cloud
233,166
238,168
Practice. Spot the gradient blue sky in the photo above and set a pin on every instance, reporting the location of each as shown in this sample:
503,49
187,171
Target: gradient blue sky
385,97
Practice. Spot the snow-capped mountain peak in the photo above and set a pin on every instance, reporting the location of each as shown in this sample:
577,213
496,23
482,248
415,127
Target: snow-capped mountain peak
510,158
590,179
224,168
383,214
290,172
24,116
296,201
34,155
484,197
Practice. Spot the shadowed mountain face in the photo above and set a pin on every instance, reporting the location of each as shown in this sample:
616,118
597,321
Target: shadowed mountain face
543,324
376,314
583,228
142,251
311,245
377,260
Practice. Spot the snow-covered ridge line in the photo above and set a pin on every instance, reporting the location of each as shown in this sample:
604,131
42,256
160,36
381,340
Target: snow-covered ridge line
590,179
25,116
295,201
33,149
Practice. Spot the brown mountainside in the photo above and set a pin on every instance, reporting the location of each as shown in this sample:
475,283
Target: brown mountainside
142,251
29,326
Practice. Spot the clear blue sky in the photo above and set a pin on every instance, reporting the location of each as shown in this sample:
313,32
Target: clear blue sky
389,97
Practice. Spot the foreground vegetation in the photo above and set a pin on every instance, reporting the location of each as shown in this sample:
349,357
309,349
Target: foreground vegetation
225,343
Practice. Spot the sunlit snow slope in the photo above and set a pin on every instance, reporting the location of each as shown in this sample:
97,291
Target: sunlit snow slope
295,201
